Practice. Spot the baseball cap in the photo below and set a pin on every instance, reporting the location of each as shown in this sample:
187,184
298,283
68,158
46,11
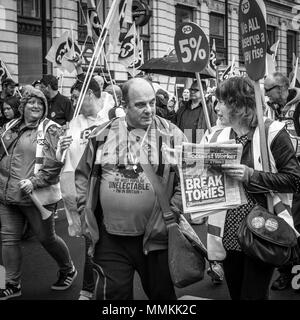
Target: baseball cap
9,81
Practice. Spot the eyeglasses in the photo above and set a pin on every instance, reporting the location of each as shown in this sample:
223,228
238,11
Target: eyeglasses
276,86
194,90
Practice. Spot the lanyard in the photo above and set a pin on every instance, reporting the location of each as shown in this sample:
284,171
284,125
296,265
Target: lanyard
134,159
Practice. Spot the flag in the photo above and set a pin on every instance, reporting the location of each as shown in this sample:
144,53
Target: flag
213,58
133,68
125,10
115,25
3,71
63,52
131,52
230,71
274,48
93,22
294,76
271,58
128,12
128,47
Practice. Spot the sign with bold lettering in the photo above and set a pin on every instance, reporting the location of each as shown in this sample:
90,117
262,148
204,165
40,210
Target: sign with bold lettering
192,47
253,32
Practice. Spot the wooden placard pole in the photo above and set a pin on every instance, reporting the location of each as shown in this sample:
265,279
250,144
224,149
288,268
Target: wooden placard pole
262,133
207,120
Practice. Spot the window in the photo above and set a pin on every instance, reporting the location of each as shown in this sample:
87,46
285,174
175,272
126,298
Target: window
217,32
145,37
82,18
183,14
29,39
271,32
31,8
291,49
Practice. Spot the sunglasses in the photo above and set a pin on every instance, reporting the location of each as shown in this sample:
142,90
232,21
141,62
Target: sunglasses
194,90
276,86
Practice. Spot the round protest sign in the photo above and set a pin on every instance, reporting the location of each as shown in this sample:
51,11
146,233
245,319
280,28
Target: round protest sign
253,32
192,47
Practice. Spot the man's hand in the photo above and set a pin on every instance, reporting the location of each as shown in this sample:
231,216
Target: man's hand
26,186
238,172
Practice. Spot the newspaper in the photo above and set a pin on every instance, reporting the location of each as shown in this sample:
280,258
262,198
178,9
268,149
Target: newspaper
206,189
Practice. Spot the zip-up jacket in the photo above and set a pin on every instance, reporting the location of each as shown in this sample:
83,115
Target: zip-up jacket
88,177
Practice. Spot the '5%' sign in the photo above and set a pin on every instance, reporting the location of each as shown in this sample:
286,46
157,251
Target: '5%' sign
192,47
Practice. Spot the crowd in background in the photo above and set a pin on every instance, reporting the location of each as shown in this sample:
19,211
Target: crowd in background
38,127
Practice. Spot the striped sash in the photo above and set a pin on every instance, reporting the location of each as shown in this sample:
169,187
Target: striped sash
50,194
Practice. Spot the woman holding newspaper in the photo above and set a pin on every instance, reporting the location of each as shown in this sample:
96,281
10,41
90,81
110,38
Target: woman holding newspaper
248,279
29,176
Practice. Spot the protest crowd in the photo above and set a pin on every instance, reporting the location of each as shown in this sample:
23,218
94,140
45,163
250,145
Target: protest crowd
129,161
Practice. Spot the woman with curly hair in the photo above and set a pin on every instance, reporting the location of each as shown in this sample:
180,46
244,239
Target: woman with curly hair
249,279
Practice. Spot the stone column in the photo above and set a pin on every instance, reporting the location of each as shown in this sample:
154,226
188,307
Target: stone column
203,17
9,36
233,34
65,16
163,28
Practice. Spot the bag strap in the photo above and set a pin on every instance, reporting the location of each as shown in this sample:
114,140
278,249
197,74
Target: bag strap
168,215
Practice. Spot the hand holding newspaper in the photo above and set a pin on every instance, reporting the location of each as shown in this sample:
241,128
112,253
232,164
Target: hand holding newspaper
206,188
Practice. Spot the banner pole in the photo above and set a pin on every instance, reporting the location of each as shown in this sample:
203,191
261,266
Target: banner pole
262,134
93,63
293,83
207,120
95,57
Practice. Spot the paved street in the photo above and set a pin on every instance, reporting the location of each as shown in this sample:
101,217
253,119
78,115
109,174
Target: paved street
39,272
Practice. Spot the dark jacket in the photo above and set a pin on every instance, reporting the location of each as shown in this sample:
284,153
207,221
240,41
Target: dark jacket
199,120
21,142
287,180
60,109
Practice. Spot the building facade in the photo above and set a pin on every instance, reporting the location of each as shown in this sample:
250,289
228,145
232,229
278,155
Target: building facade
21,47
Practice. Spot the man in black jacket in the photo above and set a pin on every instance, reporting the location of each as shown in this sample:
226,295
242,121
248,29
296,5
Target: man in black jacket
190,116
60,107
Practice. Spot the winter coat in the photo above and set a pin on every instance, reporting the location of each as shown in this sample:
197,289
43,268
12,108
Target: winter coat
21,143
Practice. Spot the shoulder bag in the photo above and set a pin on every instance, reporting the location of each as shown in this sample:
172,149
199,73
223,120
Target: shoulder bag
185,250
266,237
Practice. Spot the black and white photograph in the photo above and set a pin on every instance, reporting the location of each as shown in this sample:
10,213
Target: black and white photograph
98,99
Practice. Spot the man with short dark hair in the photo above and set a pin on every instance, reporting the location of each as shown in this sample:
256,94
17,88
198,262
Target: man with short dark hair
120,207
60,107
8,88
